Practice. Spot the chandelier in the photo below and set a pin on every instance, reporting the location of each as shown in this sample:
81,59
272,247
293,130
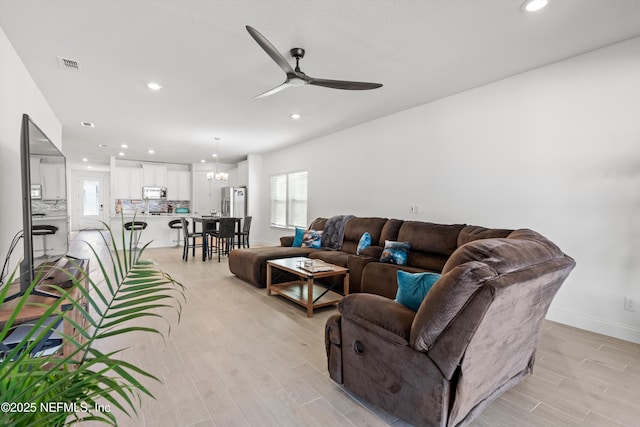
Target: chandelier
217,176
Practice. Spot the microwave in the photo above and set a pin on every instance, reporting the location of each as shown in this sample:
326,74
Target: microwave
154,193
36,192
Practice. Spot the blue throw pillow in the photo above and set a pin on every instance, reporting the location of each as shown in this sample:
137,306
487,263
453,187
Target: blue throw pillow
413,287
395,252
365,242
297,240
312,239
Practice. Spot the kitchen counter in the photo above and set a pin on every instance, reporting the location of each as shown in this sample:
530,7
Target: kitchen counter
145,215
157,234
35,218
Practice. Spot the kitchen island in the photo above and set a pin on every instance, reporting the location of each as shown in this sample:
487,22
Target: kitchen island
157,234
57,244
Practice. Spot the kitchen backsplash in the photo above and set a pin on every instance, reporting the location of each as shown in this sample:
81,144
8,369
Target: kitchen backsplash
139,206
49,207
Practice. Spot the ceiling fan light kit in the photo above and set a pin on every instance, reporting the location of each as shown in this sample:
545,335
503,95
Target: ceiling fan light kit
295,77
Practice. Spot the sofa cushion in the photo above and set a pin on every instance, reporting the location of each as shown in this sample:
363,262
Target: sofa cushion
474,232
250,264
382,279
395,252
391,320
413,288
390,231
332,257
356,227
431,244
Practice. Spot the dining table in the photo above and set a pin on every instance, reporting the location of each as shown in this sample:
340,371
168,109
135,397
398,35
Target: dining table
209,225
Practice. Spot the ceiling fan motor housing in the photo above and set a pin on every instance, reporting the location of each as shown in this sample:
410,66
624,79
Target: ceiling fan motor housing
297,52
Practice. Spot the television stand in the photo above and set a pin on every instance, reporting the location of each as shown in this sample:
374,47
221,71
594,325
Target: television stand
51,273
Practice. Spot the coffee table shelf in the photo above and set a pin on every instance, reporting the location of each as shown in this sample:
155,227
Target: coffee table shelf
304,291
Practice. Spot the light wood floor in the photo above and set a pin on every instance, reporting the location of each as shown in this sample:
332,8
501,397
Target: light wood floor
241,358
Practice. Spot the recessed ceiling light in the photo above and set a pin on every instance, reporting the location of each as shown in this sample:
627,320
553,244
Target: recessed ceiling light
154,86
87,124
214,155
123,145
89,167
151,151
121,153
203,161
534,5
84,159
295,116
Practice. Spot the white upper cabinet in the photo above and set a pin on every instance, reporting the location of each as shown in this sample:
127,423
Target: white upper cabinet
54,183
154,175
178,185
128,183
34,170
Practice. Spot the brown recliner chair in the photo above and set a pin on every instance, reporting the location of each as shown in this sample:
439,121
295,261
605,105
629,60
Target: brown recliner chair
473,337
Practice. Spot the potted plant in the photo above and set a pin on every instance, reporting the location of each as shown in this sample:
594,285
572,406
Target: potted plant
85,383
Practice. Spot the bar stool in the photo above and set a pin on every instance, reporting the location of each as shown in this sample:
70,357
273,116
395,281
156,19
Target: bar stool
44,231
136,226
176,224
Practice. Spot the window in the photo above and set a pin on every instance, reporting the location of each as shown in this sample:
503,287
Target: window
289,200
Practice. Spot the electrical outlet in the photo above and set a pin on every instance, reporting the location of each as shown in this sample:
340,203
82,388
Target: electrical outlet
411,209
629,304
416,209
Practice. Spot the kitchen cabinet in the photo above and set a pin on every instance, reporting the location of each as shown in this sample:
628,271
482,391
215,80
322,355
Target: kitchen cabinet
34,170
242,180
154,175
178,185
128,183
206,195
53,180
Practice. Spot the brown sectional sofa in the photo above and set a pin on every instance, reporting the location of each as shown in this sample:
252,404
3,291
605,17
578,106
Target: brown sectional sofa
473,337
431,246
250,264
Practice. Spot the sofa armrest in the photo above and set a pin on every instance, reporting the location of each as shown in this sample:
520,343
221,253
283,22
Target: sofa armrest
389,319
372,251
286,241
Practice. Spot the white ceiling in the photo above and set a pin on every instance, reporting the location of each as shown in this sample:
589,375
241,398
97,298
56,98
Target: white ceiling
210,67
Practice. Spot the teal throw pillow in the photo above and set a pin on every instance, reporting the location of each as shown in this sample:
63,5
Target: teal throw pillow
365,242
413,287
395,252
312,239
297,239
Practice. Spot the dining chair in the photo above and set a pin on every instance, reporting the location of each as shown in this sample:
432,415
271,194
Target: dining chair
243,236
225,235
190,240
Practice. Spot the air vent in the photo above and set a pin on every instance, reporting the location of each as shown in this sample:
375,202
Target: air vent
68,64
87,124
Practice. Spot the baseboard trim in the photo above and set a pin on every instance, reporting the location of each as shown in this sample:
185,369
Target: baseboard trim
616,330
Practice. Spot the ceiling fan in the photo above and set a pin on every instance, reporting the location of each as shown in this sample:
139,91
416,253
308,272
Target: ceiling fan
295,77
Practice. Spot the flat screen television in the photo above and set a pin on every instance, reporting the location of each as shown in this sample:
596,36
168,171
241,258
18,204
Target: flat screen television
34,144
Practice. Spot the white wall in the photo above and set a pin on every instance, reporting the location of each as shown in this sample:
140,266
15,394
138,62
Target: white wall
556,149
18,94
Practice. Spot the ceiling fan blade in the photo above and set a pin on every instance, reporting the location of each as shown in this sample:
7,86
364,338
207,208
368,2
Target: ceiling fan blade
272,91
343,84
270,49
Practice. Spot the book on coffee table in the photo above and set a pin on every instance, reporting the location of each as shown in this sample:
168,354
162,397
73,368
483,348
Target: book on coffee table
314,266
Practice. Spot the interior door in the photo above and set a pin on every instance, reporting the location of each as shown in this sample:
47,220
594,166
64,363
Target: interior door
90,204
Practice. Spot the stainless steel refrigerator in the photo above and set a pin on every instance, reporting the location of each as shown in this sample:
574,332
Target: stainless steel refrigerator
234,202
